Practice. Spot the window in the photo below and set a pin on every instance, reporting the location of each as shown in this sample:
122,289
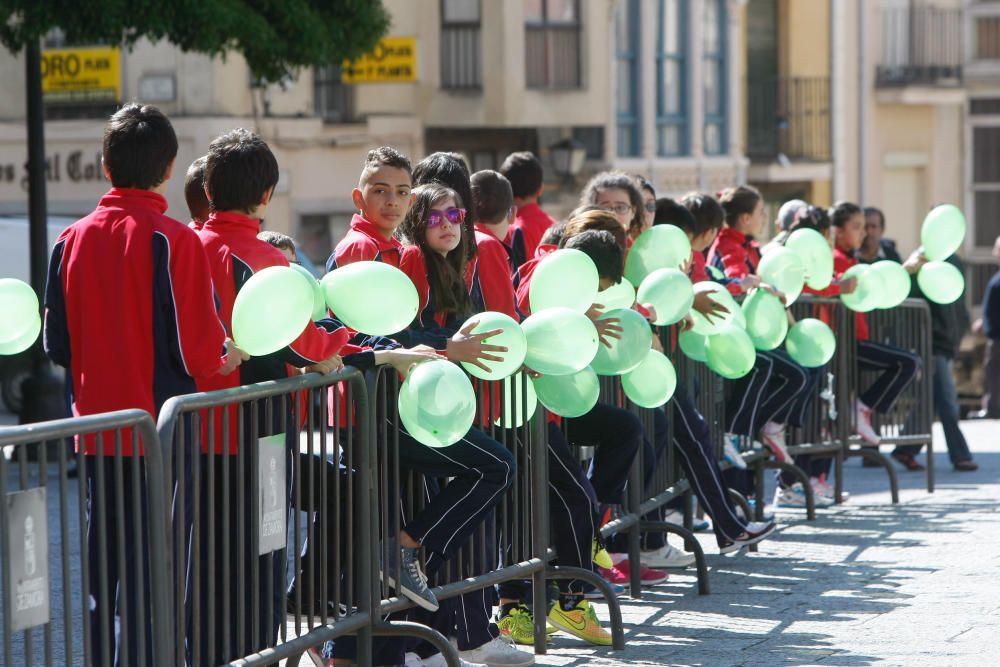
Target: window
988,38
714,76
461,60
671,78
333,100
627,78
986,184
552,43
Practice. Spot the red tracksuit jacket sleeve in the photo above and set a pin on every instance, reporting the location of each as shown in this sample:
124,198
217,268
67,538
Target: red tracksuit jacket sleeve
200,334
494,279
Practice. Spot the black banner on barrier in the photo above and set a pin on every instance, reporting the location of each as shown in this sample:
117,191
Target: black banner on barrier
272,510
28,559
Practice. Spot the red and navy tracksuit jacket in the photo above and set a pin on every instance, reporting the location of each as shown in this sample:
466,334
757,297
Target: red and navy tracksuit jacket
522,279
736,255
129,308
526,232
842,261
490,274
364,243
431,327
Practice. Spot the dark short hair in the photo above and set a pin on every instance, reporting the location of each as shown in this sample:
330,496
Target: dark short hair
811,217
643,184
525,173
194,190
384,156
553,235
603,249
871,210
737,201
671,212
139,145
277,239
842,212
239,171
707,212
492,196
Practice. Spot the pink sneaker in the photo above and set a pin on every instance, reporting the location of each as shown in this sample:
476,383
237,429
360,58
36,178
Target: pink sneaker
614,575
863,419
647,575
773,436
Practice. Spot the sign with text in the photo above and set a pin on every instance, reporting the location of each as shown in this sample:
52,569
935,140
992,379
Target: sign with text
27,559
82,75
272,510
394,60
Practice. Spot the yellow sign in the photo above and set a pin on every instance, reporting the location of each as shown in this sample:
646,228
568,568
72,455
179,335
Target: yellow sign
82,75
394,60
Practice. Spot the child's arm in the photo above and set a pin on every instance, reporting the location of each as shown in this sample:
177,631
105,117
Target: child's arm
55,336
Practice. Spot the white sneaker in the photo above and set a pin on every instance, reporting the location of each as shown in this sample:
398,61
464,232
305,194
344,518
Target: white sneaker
731,451
773,436
498,653
667,556
863,422
823,489
413,660
437,660
795,496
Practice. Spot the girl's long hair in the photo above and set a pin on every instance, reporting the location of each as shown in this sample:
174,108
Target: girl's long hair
737,201
445,275
451,171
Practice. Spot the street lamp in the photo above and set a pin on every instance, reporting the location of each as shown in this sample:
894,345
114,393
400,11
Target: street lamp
567,158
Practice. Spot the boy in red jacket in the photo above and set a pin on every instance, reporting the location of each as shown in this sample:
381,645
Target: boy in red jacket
524,171
492,270
129,311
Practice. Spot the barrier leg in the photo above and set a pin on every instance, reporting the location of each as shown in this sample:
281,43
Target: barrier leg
739,500
699,553
873,455
408,629
803,477
614,609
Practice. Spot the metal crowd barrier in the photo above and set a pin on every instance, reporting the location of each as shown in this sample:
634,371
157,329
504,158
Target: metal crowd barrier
237,460
517,530
79,589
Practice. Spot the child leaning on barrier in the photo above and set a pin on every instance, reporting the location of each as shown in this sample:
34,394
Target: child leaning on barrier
524,171
129,311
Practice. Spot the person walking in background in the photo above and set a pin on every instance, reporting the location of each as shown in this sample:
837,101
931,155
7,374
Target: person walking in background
989,326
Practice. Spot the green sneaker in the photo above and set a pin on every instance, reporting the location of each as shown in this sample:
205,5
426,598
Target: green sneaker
581,621
518,624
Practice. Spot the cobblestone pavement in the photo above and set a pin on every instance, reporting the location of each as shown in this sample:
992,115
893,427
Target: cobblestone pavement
867,583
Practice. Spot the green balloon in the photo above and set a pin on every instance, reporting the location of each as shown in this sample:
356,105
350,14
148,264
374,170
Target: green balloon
782,268
437,404
869,291
518,394
651,383
720,295
619,295
372,297
670,292
895,282
27,339
693,345
18,311
271,310
566,278
628,351
560,341
730,352
766,320
810,343
941,282
569,395
942,232
817,257
512,338
319,301
659,247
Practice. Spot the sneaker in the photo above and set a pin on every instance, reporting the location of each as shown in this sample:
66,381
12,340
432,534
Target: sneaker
437,660
863,421
795,496
593,593
411,659
753,532
581,621
322,655
613,575
773,436
497,653
647,575
768,510
667,556
676,517
731,451
823,489
414,581
518,625
601,557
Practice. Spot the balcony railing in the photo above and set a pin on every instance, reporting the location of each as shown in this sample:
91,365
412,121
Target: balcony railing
921,45
789,116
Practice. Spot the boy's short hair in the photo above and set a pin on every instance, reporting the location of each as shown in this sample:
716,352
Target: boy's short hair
194,190
384,156
525,173
139,146
553,235
492,196
843,211
707,212
239,170
605,251
595,219
671,212
277,239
